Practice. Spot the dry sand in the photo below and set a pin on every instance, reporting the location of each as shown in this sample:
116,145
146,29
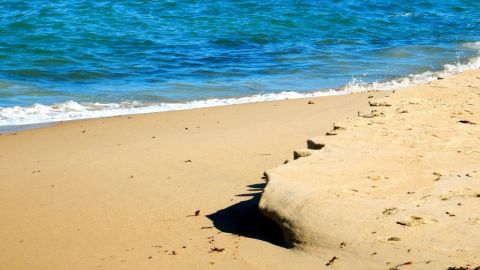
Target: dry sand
123,193
397,187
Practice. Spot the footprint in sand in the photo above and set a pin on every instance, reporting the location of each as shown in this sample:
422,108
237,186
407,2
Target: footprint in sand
390,211
412,221
379,104
375,177
473,221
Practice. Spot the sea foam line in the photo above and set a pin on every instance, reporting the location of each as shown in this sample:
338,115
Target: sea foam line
71,110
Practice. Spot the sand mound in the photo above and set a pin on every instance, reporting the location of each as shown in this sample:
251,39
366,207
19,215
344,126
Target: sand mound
397,186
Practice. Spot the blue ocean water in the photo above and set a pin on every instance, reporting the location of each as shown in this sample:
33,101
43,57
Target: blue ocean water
59,57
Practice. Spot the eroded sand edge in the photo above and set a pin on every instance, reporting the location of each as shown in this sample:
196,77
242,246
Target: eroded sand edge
397,186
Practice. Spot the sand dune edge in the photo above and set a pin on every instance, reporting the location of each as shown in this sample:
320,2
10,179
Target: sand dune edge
397,185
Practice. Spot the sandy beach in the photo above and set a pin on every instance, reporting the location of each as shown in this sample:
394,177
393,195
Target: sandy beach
240,135
122,192
180,190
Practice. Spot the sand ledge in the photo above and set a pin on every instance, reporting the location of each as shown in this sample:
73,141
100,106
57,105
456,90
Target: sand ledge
397,185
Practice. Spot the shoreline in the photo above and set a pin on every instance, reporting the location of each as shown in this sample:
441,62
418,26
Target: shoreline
84,111
7,129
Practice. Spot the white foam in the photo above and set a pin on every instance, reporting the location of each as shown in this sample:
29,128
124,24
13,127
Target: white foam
472,45
357,85
71,110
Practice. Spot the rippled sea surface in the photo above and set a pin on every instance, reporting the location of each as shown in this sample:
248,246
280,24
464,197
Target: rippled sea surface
145,53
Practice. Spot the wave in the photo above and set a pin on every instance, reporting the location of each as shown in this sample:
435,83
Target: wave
356,85
472,45
71,110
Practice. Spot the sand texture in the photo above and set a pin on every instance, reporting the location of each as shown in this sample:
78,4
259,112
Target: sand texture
122,193
396,187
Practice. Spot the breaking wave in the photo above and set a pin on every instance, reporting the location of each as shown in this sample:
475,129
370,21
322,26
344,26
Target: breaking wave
71,110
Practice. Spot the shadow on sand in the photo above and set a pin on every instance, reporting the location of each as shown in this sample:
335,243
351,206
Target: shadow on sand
245,219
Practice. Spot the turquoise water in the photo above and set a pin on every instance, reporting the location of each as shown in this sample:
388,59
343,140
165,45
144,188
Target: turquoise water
128,54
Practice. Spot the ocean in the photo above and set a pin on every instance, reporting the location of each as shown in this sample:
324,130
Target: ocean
63,60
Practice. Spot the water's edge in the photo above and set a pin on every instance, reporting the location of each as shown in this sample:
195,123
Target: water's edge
5,130
20,118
